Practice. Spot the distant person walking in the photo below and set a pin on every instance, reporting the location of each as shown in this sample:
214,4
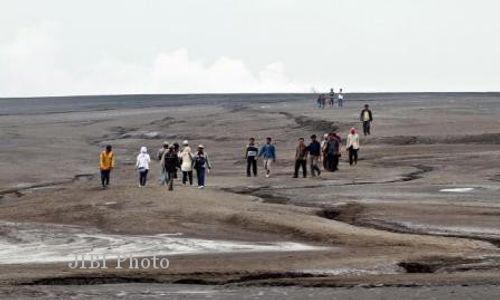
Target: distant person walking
319,101
352,146
367,118
202,166
187,159
106,164
323,101
161,152
268,152
251,153
142,165
314,149
340,98
171,163
332,98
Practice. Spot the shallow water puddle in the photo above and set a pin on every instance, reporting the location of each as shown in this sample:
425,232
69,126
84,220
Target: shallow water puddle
457,190
44,243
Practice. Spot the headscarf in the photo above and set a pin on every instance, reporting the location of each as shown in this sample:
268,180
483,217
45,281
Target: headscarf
353,131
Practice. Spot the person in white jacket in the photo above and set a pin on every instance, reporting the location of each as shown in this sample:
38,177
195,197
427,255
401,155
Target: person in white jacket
352,146
186,157
142,165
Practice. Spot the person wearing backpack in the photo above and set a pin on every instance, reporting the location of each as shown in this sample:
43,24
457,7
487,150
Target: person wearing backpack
171,163
201,165
142,165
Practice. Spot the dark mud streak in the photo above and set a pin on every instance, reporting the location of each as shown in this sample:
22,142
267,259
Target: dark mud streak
18,192
486,139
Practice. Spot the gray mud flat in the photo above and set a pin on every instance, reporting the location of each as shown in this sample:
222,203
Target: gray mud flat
418,217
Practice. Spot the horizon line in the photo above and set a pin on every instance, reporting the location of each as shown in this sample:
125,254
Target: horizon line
238,93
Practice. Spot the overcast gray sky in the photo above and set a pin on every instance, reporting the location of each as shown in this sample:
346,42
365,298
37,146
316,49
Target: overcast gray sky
61,47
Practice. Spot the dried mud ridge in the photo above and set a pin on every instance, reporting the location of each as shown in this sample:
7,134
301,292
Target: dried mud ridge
352,213
19,192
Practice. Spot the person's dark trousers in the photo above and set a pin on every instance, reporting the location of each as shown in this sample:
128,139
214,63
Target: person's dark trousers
170,180
353,156
200,175
332,162
336,159
251,166
143,177
366,127
105,174
325,162
300,163
187,175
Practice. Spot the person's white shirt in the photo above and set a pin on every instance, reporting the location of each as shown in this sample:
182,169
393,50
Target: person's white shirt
352,140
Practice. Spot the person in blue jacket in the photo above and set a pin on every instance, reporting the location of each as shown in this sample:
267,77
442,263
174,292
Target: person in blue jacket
268,153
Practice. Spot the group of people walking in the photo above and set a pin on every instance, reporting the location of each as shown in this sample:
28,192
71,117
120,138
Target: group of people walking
172,157
328,151
322,98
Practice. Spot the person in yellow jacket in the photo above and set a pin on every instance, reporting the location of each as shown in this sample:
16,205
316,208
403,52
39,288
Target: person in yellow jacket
106,164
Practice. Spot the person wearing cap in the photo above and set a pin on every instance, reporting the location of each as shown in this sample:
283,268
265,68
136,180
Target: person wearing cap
352,146
251,157
106,164
186,157
142,165
201,164
268,152
161,152
171,163
314,149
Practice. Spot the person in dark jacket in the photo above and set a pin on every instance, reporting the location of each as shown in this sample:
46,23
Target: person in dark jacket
300,159
177,148
314,149
367,118
251,153
171,161
333,151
